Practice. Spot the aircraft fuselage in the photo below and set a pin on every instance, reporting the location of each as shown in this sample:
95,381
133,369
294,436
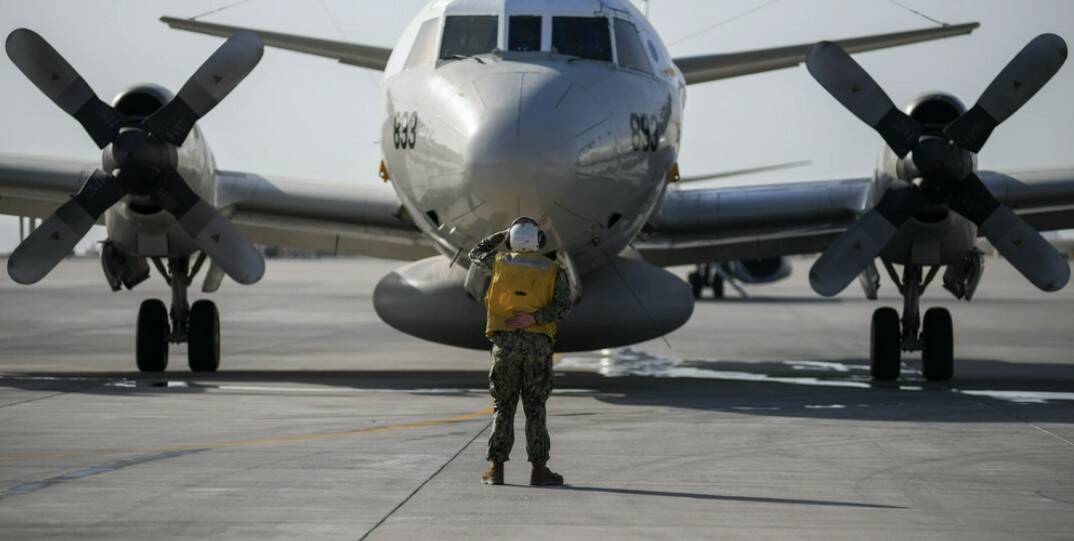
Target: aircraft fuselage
583,146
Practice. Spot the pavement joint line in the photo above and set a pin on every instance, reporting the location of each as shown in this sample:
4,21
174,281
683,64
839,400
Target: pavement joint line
83,388
268,441
89,471
1050,433
1010,415
426,481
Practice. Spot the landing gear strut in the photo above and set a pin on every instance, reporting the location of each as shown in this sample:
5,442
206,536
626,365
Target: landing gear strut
198,325
706,275
934,340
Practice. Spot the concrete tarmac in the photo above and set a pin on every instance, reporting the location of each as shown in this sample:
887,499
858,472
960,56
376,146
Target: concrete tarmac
755,420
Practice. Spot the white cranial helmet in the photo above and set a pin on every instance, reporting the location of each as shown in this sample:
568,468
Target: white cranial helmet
525,236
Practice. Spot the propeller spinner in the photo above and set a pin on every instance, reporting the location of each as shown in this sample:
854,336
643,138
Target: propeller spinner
140,159
944,163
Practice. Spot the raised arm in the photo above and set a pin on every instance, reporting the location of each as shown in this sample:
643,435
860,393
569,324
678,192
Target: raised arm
483,254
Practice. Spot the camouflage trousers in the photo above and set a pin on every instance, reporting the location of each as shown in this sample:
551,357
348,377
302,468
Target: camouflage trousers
521,366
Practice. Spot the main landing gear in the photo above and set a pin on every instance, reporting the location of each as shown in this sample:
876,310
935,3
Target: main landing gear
197,325
706,275
890,336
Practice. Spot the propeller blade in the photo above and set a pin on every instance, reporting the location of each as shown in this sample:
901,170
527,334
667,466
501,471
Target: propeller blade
1020,244
852,86
1023,77
850,254
51,74
213,81
212,232
59,233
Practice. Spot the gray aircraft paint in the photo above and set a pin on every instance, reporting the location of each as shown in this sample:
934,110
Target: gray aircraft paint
513,134
470,131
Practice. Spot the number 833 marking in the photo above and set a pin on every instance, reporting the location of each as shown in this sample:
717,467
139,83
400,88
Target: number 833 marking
644,132
405,130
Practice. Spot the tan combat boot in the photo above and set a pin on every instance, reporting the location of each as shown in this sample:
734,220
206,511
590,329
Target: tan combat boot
493,474
541,476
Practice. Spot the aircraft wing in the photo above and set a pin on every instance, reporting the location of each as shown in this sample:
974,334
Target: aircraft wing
751,222
347,53
34,187
344,219
701,69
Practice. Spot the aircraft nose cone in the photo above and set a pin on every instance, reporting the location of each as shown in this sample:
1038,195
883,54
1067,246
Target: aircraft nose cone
523,156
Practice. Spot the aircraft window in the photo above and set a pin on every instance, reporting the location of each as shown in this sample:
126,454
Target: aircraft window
584,37
424,50
525,34
469,35
652,51
628,46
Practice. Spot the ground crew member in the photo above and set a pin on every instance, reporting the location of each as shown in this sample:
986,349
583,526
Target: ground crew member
527,295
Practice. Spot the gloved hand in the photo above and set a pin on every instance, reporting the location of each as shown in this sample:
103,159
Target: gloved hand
521,320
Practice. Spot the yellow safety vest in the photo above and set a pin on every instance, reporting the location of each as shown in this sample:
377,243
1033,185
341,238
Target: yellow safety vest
520,283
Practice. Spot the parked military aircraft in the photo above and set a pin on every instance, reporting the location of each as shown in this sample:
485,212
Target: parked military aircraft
569,111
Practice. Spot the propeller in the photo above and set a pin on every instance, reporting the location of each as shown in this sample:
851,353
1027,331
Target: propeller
139,158
943,161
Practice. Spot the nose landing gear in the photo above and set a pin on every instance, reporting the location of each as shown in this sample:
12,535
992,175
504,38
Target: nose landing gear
935,340
197,325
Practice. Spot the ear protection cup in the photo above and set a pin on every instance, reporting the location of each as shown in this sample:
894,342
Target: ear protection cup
541,238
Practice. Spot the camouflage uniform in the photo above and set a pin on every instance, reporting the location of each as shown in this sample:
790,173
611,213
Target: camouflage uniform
521,366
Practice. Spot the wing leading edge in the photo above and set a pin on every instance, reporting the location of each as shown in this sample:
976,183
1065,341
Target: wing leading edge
345,52
752,222
34,187
695,69
705,68
337,218
340,219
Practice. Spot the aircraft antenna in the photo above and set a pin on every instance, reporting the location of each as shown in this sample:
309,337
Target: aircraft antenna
918,13
718,24
219,9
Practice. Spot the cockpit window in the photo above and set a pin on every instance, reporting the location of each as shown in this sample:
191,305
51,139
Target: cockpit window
584,37
524,34
424,49
629,48
469,35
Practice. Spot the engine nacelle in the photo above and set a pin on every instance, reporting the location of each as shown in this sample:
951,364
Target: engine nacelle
138,225
426,299
759,271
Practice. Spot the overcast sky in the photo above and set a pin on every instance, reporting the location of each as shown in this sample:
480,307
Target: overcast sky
303,116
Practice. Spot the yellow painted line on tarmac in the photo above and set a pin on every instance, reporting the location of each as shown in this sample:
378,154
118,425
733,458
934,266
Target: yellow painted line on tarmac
262,442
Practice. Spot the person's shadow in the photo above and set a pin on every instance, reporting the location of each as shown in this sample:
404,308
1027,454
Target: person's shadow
718,497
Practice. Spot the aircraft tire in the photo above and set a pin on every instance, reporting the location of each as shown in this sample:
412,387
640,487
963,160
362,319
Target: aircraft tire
697,283
885,345
203,337
937,345
717,286
151,343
